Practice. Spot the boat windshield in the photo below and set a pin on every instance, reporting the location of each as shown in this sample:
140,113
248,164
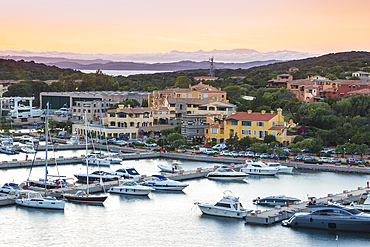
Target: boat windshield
224,205
34,195
353,211
132,171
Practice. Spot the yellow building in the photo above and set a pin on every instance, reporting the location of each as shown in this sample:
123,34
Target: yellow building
200,91
252,124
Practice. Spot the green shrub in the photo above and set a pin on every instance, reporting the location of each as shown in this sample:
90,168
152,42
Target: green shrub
197,152
327,155
156,149
131,145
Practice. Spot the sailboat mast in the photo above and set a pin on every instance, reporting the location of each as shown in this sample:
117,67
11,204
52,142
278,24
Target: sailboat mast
87,160
46,145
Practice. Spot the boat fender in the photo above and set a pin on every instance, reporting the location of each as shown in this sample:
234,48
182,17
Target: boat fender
225,212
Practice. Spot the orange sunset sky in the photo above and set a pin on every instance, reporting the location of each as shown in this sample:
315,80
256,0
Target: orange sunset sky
158,26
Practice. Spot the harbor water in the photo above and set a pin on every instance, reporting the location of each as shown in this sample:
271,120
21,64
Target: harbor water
171,219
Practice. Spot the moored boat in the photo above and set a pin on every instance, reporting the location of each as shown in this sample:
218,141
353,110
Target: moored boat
332,217
276,200
174,167
82,197
228,206
281,168
127,187
159,182
259,168
226,174
34,199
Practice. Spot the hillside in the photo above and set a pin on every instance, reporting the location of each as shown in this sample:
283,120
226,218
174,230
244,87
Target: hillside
21,70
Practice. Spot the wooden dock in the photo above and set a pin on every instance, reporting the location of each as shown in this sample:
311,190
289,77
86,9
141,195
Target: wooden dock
279,214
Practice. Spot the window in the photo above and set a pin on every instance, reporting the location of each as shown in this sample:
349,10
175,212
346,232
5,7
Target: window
88,111
243,132
74,110
231,132
266,133
260,134
234,123
184,95
199,96
255,132
249,132
189,96
205,95
246,123
260,124
273,123
214,131
166,112
79,110
206,131
274,133
160,112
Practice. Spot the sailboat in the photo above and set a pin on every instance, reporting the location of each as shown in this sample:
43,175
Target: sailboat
82,196
34,199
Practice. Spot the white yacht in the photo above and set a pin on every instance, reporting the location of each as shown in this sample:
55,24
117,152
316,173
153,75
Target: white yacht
226,174
282,169
259,168
159,182
34,199
175,167
94,160
127,187
113,160
363,203
25,112
74,140
228,206
26,139
28,149
126,173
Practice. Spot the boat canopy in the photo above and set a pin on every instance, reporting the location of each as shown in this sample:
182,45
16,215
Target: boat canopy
159,176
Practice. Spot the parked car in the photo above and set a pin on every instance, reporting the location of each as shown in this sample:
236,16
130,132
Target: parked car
334,160
265,156
286,150
298,158
249,154
282,156
324,159
121,142
305,158
220,146
225,153
211,151
354,160
362,162
306,150
234,154
257,155
150,144
242,154
326,151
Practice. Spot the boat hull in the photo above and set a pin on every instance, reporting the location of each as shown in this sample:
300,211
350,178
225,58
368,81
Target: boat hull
255,171
90,199
224,178
286,170
43,204
322,223
276,202
131,191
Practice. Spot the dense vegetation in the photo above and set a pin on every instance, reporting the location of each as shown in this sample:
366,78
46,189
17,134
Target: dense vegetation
330,123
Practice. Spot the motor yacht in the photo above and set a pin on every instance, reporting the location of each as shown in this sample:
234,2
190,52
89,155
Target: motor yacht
259,168
276,200
332,217
126,173
94,160
174,167
28,149
27,139
159,182
34,199
10,189
96,176
49,183
127,187
282,169
363,203
226,174
113,160
228,206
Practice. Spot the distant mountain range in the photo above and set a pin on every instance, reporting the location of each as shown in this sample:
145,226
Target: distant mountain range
171,61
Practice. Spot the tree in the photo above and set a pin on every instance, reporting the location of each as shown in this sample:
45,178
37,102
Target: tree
269,138
178,143
175,136
182,82
361,149
232,142
150,140
298,139
144,103
244,142
166,132
234,92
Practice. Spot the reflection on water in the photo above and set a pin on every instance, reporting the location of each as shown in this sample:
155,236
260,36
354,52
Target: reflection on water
171,218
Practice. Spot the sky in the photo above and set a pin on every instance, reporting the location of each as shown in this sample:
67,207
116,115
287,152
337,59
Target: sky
160,26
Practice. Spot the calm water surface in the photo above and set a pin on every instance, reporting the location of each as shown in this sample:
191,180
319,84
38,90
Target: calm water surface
171,219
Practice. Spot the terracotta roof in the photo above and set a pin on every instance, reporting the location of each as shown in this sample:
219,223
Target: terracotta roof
277,128
352,82
361,91
131,110
302,82
193,101
215,126
254,116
